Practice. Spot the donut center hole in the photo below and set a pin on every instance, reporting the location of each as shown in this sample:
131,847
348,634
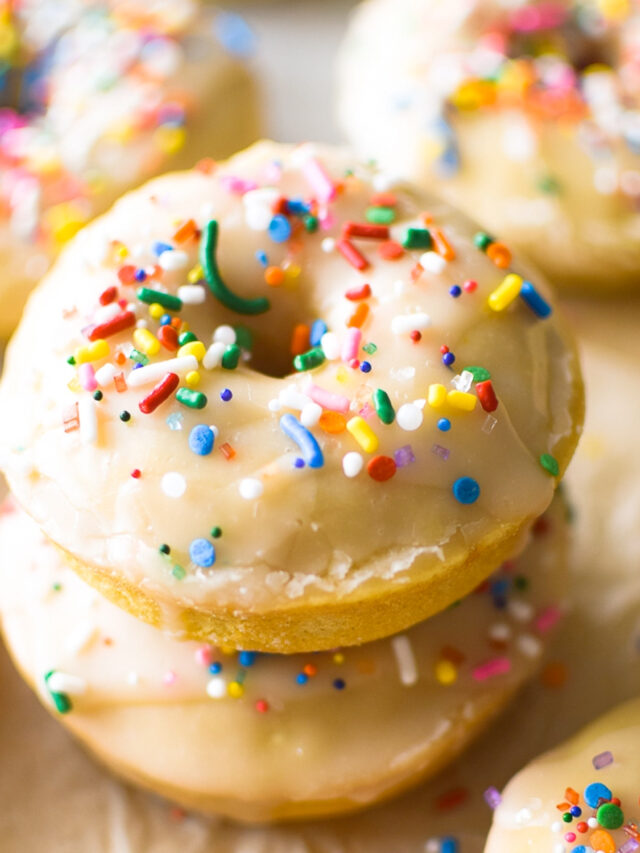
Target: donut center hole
579,49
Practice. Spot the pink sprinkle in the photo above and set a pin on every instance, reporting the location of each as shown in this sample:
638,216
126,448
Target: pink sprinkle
87,377
603,759
351,344
570,837
367,411
324,398
319,179
327,220
497,666
204,655
548,619
237,186
169,678
442,452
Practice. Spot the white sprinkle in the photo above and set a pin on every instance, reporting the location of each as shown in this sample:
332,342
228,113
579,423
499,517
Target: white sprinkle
192,294
250,489
310,415
557,826
173,484
213,356
328,245
274,405
489,424
80,637
153,372
216,688
433,262
559,847
88,420
592,822
403,374
409,417
463,381
225,335
529,646
432,846
62,682
106,313
105,374
405,659
521,611
352,463
499,632
523,817
330,345
420,403
405,323
291,398
173,260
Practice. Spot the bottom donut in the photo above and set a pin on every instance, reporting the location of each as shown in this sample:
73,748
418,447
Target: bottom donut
272,737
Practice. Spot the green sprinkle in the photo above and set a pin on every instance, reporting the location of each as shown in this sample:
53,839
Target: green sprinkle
244,337
610,816
57,587
71,360
208,246
216,532
191,399
60,700
417,238
550,464
164,548
178,572
231,357
380,215
136,355
384,409
521,583
482,241
370,348
549,185
310,223
480,374
310,359
149,296
567,817
98,395
186,338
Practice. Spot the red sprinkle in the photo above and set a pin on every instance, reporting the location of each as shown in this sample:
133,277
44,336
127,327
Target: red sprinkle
381,468
357,293
351,254
120,382
136,473
127,274
487,396
108,296
444,348
118,324
416,336
383,200
168,337
365,231
470,285
262,706
390,250
162,391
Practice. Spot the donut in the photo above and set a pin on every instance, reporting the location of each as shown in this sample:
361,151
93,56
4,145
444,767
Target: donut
275,736
581,797
95,98
523,114
241,494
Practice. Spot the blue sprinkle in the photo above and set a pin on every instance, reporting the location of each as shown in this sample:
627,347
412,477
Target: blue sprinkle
575,811
298,462
279,229
165,320
202,553
534,300
215,668
466,490
247,658
594,793
302,678
365,367
455,291
579,849
444,424
449,845
308,445
235,34
448,358
140,275
226,395
339,683
318,329
158,248
261,257
201,440
297,207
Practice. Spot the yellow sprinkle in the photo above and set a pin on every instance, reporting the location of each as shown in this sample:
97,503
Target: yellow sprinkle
506,292
91,352
614,10
436,395
446,672
184,326
156,310
146,342
196,348
338,658
195,274
170,139
341,375
192,378
235,690
121,251
462,400
292,272
363,434
74,385
64,221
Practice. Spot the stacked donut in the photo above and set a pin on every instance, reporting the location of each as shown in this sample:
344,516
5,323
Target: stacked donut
96,97
285,440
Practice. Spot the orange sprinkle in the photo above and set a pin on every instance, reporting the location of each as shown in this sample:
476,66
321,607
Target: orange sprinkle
359,316
390,250
563,807
554,675
120,382
176,322
274,276
416,272
381,468
383,200
120,358
572,796
332,422
499,254
207,165
227,451
602,841
442,246
300,339
310,669
186,231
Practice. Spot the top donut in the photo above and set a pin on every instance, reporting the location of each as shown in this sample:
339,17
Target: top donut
285,404
524,114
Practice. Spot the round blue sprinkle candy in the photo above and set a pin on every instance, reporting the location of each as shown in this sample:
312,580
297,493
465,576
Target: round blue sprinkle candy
579,849
158,248
302,678
215,668
455,291
594,793
299,462
365,367
449,845
201,439
279,229
575,811
226,395
466,490
202,553
165,319
339,683
140,275
448,358
247,658
444,424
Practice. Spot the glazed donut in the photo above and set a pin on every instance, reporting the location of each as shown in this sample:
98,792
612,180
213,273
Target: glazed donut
579,798
99,97
525,115
271,737
432,412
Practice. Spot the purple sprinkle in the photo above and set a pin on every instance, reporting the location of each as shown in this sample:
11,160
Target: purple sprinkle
366,411
602,760
404,456
492,797
629,846
442,452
